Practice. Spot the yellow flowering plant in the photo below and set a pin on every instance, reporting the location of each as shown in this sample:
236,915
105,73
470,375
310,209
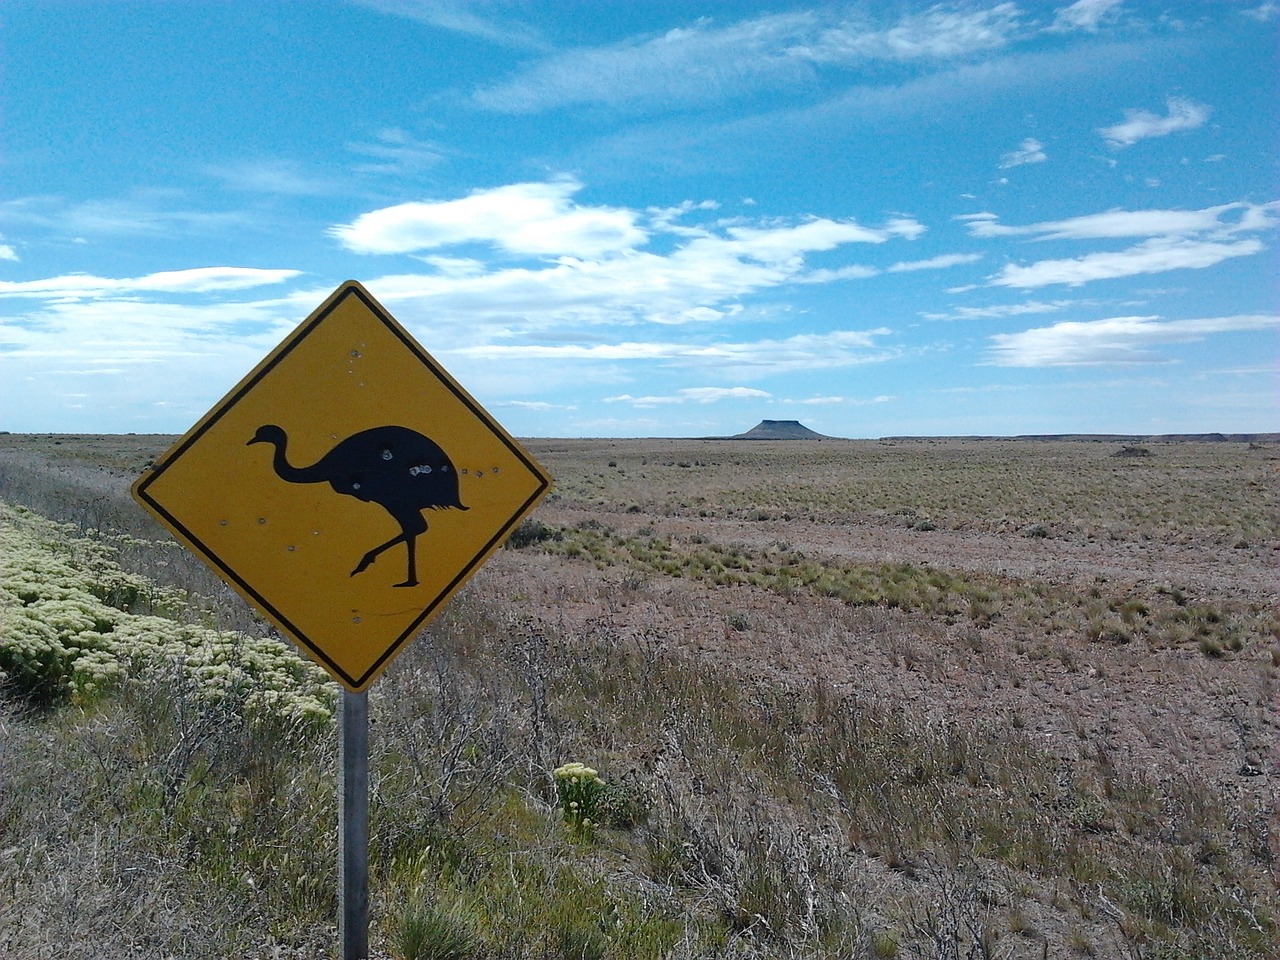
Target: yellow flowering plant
580,791
69,633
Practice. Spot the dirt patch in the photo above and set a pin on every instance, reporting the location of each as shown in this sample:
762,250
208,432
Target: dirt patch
1157,712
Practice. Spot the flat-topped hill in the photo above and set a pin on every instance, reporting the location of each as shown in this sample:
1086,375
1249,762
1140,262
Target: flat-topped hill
779,430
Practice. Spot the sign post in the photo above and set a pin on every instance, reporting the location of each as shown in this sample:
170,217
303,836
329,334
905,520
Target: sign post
353,827
347,487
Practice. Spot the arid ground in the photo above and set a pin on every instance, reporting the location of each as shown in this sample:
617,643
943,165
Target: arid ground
919,698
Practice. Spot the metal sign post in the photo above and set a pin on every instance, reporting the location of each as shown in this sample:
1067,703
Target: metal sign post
353,827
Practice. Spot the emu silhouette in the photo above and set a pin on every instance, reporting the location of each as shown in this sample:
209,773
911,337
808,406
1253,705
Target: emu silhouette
395,467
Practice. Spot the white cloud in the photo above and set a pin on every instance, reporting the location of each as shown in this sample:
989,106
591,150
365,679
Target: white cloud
460,16
934,263
540,406
599,264
7,252
272,176
841,401
1152,256
1176,239
785,244
693,395
818,401
1264,12
675,289
198,348
457,266
1000,310
710,61
1113,224
197,280
836,349
1141,124
522,218
1116,340
701,62
1030,150
862,272
713,394
393,150
940,33
854,271
1084,15
149,212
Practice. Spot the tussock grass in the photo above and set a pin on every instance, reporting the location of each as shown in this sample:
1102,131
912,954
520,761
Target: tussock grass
1223,493
1158,617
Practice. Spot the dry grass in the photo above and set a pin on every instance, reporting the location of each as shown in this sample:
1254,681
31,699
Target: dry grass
808,751
1182,491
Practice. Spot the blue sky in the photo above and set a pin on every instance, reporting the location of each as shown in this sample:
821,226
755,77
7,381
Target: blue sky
653,219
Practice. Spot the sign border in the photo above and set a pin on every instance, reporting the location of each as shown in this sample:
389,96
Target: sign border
252,379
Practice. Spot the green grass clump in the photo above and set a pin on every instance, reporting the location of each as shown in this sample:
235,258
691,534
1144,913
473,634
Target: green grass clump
1160,618
425,932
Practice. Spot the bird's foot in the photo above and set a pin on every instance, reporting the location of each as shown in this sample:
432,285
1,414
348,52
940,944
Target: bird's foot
408,583
363,565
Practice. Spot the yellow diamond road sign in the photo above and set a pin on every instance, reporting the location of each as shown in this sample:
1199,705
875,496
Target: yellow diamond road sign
346,487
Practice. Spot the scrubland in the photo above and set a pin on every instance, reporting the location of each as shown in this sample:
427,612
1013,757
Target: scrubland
919,699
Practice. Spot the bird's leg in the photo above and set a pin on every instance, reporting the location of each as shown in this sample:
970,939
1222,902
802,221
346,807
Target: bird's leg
412,579
372,555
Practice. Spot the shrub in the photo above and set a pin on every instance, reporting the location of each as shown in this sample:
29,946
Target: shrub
626,803
62,641
530,532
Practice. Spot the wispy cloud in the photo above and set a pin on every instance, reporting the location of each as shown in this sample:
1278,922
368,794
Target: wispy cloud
709,61
1085,15
103,335
940,33
839,401
1030,150
151,212
153,360
701,62
396,151
1000,310
833,350
1142,125
272,176
941,262
7,252
1112,224
198,280
858,271
1116,340
693,395
461,16
540,406
1157,255
1175,240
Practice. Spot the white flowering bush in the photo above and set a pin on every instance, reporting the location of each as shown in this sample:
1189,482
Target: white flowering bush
68,632
581,791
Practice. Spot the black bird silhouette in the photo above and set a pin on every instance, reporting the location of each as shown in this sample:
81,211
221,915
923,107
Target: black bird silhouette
395,467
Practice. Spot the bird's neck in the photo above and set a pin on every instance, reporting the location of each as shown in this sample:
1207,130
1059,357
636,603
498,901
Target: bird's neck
287,471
